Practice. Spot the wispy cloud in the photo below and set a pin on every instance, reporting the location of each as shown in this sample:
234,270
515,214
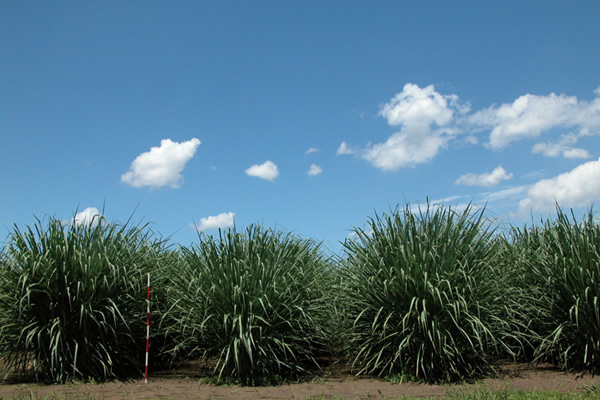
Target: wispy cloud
161,166
531,115
512,194
564,147
493,178
577,188
344,149
314,170
267,171
221,221
311,150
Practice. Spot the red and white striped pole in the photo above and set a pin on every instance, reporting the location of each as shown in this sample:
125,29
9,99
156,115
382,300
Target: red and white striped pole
147,329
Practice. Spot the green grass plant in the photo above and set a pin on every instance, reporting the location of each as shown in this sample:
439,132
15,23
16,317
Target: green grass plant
72,299
252,300
558,264
421,294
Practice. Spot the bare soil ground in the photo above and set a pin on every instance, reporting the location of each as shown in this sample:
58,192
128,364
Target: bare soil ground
185,383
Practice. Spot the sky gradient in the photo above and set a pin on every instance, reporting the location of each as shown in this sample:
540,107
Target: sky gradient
304,116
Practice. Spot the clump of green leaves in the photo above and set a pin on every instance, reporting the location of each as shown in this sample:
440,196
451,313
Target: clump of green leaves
559,266
421,294
254,301
72,299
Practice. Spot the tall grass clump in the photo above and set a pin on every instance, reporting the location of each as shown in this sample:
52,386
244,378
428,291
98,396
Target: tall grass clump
422,294
254,302
559,263
72,299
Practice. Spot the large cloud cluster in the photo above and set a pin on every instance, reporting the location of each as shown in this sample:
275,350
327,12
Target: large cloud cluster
429,121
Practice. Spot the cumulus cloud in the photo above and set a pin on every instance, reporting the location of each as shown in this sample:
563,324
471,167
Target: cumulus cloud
221,221
90,215
564,147
314,170
311,150
493,178
577,188
267,171
424,117
531,115
418,107
161,166
429,121
405,150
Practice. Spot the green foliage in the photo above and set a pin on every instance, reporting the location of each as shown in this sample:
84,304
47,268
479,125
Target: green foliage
72,299
254,300
434,295
422,294
559,263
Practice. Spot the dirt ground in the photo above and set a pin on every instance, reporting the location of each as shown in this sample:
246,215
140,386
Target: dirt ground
184,383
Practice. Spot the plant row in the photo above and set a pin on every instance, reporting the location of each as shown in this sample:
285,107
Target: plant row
435,294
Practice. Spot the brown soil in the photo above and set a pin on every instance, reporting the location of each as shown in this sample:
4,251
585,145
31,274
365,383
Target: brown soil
185,383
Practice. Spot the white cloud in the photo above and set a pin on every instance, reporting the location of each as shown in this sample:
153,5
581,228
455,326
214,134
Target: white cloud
425,118
577,188
223,220
562,147
530,115
416,106
311,150
314,170
90,215
267,171
429,121
576,153
405,150
510,194
161,166
344,149
498,175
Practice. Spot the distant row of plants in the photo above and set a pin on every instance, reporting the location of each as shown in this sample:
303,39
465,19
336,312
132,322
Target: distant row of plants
435,294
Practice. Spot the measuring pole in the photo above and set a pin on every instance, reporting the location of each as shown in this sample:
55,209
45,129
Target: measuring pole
147,329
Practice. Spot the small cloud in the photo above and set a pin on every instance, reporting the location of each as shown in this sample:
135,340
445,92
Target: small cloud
491,179
576,153
533,175
315,170
344,149
311,150
223,220
161,166
90,215
577,188
562,147
267,171
449,199
212,168
419,107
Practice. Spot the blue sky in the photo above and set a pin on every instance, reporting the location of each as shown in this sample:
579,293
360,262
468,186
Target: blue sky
305,116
